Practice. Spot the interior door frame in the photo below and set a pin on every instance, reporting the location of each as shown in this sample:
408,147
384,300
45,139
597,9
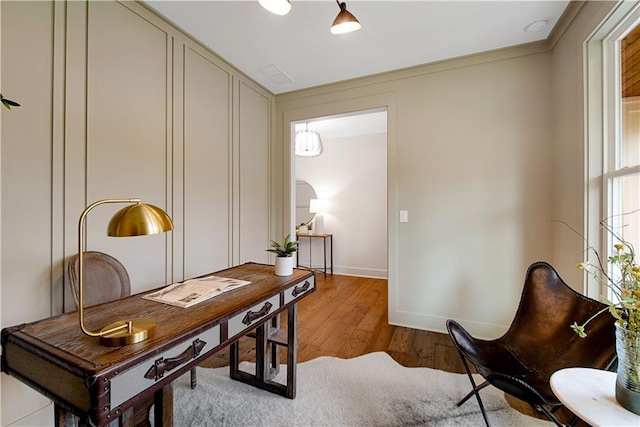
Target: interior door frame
337,108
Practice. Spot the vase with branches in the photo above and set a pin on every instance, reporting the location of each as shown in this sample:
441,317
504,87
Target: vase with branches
620,275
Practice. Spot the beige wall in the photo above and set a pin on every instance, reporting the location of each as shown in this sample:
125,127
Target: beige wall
482,151
469,157
117,103
27,212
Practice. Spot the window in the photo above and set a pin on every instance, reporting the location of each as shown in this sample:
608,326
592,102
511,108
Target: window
612,129
622,165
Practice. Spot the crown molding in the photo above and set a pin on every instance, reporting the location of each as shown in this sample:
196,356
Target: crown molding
565,20
419,70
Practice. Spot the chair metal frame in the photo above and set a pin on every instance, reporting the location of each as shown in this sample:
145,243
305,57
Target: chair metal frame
541,281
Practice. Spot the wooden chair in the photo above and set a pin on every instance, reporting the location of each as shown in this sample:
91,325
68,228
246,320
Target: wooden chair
538,343
105,280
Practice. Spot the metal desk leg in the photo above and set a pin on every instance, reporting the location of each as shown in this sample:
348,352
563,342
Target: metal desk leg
331,251
310,245
324,248
267,366
234,359
163,406
267,354
292,351
274,357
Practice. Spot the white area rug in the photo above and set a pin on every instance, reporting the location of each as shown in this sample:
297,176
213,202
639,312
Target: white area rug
371,390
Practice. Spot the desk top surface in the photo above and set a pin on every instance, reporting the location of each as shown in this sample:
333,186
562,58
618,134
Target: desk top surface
60,338
590,394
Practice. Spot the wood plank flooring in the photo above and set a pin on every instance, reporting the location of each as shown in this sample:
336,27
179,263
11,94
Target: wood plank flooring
347,317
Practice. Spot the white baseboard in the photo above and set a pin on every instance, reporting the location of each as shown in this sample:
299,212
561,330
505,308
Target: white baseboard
438,324
353,271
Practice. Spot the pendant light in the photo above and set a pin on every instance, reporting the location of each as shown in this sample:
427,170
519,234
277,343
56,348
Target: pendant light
345,22
279,7
308,143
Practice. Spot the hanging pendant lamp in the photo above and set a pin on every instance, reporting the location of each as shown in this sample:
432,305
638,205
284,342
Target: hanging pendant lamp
308,143
345,22
279,7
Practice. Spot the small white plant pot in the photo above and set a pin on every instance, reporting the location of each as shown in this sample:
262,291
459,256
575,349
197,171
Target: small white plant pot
284,266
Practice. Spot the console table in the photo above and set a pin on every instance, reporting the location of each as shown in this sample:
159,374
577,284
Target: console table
102,385
590,394
324,237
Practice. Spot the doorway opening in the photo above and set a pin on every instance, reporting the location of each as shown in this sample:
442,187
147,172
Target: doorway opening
348,181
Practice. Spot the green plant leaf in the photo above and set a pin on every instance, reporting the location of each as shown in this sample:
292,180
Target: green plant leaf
579,329
8,103
285,249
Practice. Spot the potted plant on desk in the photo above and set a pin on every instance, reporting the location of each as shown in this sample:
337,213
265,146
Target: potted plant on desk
284,255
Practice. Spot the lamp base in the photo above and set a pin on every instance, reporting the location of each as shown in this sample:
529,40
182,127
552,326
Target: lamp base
141,329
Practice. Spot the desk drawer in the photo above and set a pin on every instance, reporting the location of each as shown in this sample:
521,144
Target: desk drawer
299,290
137,379
255,314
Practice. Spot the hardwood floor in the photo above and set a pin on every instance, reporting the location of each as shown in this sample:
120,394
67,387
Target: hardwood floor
347,317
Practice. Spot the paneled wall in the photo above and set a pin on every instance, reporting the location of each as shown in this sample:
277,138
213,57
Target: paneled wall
118,103
206,154
126,125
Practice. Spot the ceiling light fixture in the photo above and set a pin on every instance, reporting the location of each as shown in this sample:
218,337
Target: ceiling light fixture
308,143
279,7
345,22
536,26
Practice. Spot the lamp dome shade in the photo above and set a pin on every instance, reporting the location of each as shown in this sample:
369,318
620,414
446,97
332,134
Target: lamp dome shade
139,220
345,22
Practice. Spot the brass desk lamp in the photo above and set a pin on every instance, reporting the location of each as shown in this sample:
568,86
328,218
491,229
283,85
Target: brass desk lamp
139,219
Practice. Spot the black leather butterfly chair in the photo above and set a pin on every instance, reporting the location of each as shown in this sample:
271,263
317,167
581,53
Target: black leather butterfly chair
102,269
538,342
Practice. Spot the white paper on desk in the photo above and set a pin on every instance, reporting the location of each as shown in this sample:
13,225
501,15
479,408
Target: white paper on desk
194,291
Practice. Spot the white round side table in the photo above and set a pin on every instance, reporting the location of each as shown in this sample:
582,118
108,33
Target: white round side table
590,394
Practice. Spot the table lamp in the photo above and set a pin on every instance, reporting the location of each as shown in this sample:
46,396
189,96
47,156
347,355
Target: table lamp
318,207
139,219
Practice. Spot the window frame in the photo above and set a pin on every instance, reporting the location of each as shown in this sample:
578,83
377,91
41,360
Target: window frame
612,171
602,76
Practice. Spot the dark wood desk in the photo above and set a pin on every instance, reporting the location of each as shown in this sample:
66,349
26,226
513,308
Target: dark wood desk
324,237
102,384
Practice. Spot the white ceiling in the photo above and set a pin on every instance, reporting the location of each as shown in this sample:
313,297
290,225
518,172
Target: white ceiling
394,34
